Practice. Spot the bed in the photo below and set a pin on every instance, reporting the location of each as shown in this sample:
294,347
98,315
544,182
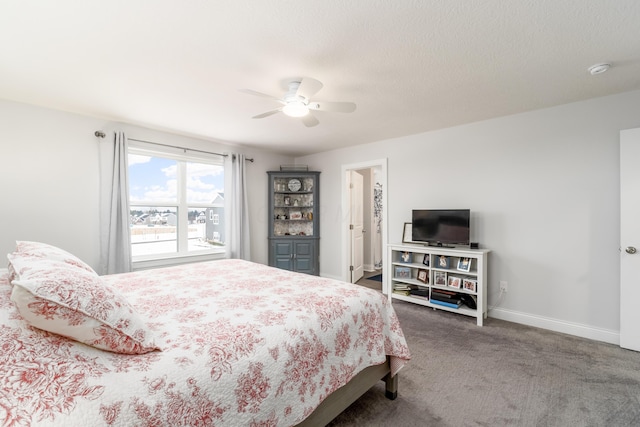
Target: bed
216,343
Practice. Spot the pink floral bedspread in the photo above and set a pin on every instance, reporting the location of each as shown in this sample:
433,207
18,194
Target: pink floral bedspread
243,344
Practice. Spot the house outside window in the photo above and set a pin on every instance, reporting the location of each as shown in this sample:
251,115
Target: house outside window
169,196
215,223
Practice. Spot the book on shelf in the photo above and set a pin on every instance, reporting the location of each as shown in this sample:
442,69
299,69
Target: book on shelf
445,294
420,292
403,288
446,304
447,297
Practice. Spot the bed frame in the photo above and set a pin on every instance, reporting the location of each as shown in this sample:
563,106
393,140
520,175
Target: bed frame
340,400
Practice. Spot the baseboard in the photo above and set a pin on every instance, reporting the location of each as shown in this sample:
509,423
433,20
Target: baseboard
584,331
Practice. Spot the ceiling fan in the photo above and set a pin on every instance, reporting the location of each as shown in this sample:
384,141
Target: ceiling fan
297,102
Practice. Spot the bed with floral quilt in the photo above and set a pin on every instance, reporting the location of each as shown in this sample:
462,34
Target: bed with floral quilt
218,343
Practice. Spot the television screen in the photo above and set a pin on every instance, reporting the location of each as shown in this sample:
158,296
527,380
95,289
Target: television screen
441,226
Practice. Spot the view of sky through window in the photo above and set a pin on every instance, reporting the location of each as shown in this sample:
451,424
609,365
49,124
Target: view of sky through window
153,179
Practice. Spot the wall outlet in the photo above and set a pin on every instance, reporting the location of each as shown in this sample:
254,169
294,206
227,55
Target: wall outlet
503,286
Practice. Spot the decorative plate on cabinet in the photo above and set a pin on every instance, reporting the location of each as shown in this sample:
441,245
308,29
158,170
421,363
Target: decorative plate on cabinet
294,184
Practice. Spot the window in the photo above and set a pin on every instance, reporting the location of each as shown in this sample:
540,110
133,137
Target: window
169,196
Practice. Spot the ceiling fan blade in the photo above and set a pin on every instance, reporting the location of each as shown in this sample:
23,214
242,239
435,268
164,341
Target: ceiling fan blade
263,95
267,114
310,121
308,87
334,107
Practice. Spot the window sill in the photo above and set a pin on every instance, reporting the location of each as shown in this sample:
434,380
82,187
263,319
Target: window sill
170,260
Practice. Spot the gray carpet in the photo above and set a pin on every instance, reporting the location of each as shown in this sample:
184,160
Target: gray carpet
501,374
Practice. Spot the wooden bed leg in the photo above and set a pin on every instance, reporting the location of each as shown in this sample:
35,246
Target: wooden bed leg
391,383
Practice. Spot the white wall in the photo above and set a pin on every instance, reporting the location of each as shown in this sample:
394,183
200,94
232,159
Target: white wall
49,178
543,188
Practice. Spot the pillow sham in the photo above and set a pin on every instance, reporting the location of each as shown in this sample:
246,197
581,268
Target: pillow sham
67,300
46,251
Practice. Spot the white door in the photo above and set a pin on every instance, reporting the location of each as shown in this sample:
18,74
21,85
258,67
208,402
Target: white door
630,239
357,226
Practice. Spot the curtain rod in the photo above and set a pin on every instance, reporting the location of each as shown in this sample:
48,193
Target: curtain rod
101,134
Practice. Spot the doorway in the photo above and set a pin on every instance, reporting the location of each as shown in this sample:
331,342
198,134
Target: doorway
373,207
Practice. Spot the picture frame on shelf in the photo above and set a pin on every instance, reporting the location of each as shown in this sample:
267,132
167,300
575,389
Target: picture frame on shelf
440,278
425,260
464,264
454,282
406,233
443,261
470,285
287,201
423,276
402,272
405,257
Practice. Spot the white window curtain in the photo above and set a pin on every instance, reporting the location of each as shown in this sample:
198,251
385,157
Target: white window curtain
237,208
115,241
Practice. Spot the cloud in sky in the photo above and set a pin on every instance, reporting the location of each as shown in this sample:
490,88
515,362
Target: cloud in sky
154,179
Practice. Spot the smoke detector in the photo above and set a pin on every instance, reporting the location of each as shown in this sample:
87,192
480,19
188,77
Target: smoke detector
598,68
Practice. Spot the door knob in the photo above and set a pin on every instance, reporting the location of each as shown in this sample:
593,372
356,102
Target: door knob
630,250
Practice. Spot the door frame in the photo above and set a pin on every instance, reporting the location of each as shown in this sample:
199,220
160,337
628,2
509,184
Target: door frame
346,241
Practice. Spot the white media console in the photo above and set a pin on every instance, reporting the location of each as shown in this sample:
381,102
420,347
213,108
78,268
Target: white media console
420,274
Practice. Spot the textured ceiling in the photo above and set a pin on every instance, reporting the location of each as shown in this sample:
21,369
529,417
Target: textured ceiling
410,66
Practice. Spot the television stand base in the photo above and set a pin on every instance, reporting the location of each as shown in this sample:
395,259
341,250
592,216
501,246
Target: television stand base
439,245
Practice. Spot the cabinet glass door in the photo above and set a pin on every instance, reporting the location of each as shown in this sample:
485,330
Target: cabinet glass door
293,204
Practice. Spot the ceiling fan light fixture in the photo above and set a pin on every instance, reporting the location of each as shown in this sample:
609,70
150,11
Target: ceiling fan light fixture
298,101
295,109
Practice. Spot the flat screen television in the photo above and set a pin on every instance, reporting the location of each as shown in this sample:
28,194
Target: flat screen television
441,226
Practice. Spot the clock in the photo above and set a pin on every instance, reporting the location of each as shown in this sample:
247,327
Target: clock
294,184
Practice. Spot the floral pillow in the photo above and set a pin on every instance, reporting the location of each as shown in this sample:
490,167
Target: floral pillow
46,251
67,300
12,272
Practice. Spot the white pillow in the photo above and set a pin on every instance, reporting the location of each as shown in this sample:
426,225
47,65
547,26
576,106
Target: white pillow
68,300
46,251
